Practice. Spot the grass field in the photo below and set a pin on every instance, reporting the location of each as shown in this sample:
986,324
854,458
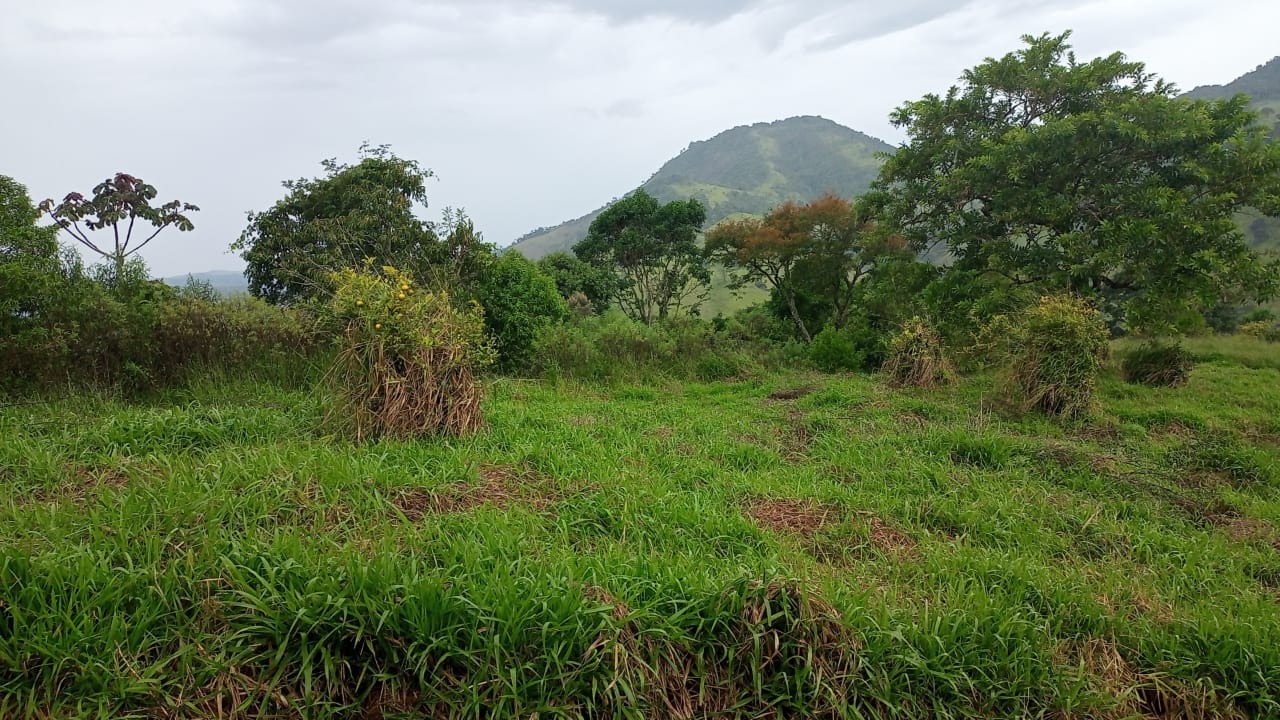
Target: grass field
786,545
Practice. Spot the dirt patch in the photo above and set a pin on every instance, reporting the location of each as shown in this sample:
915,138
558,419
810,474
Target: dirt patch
794,393
913,419
787,515
794,437
887,537
584,421
1252,530
500,486
84,483
662,433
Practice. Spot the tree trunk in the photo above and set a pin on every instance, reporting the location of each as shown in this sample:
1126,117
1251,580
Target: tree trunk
795,315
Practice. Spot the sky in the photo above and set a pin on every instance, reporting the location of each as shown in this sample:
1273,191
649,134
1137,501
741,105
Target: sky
530,112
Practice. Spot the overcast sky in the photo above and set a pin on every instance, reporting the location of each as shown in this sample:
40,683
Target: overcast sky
531,112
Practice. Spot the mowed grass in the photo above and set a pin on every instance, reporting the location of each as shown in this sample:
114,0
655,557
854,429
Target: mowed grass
786,545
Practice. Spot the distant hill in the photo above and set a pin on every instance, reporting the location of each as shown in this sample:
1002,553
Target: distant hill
750,169
226,282
1263,88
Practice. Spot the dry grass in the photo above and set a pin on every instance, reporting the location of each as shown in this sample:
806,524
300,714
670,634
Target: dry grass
499,486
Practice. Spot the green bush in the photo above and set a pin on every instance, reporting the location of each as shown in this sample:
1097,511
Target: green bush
848,349
519,301
1052,353
237,333
1157,364
1262,329
917,357
609,346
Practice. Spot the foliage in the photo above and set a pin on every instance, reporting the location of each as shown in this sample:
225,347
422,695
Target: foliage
118,203
652,249
1157,364
572,275
518,301
613,346
407,358
1088,178
822,249
351,214
1052,352
28,264
1266,330
850,348
917,357
194,331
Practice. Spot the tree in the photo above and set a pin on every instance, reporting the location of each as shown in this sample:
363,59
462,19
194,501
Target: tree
353,213
823,249
572,275
28,259
118,203
1086,177
653,250
519,301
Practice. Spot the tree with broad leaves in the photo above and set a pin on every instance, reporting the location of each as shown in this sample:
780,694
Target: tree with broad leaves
821,249
118,203
1086,177
351,214
653,249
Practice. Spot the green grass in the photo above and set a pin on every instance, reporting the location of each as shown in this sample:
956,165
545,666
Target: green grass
669,550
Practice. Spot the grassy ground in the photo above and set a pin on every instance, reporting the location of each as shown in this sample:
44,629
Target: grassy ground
780,546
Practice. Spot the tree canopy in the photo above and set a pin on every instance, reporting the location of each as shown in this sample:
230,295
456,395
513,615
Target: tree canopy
1086,177
117,204
351,214
653,249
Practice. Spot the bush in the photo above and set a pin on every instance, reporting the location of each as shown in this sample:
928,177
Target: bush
1261,329
407,358
603,347
1052,353
1157,364
848,349
917,358
192,332
518,302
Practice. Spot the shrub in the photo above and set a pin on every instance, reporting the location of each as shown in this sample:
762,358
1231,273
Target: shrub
1052,353
1261,329
917,358
1157,364
518,300
848,348
407,358
237,333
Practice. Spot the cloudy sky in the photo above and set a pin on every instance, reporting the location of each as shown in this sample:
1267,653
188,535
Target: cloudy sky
530,111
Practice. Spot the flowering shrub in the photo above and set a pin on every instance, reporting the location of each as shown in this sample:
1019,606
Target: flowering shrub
407,357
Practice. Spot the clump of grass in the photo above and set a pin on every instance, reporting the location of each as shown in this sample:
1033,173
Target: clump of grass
1157,364
1052,354
407,358
917,358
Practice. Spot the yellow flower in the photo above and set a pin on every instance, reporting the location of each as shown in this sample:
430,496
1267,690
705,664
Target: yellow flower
402,296
404,287
377,326
359,303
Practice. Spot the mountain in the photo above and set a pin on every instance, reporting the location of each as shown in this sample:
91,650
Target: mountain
750,169
226,282
1263,88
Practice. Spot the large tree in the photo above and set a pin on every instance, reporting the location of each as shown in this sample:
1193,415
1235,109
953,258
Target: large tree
106,222
351,214
1090,177
28,258
821,250
653,249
